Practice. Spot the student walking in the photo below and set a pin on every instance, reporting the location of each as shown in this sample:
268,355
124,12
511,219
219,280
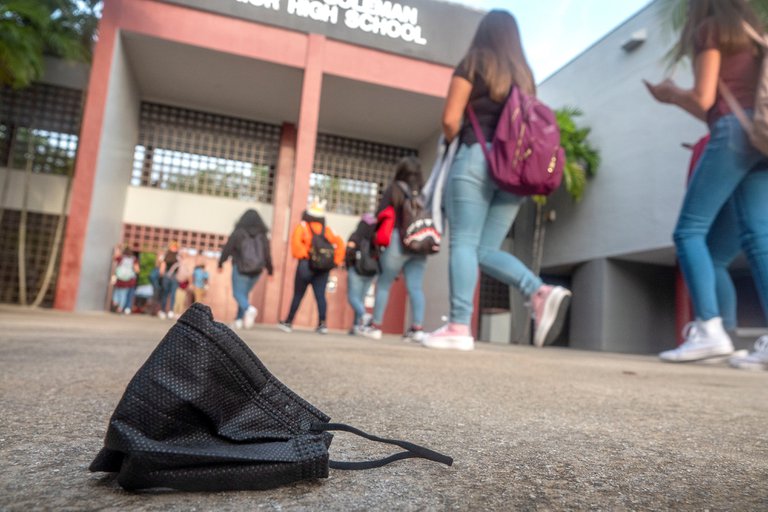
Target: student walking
726,62
248,246
395,258
479,213
319,250
362,262
126,272
167,268
199,281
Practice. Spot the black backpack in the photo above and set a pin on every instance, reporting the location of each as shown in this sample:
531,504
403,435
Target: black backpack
366,258
252,255
418,231
204,414
321,252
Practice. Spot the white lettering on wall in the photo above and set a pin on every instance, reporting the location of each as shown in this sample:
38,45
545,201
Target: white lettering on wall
269,4
314,9
381,17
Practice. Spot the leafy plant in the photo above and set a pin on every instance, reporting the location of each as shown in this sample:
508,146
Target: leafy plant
31,29
581,159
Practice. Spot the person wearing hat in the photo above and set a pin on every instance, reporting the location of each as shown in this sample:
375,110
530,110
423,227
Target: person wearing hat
312,226
362,266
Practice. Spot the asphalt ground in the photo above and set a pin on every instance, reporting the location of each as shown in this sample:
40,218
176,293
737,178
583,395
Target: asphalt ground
529,429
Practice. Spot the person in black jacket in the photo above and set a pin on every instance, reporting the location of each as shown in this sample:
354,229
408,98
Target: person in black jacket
248,245
359,248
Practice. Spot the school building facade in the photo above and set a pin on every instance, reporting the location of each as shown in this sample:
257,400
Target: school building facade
195,110
199,109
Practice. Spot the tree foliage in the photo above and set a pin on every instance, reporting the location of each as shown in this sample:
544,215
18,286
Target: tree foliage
581,159
31,29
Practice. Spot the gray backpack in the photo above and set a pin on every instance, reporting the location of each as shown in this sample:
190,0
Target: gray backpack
252,255
757,127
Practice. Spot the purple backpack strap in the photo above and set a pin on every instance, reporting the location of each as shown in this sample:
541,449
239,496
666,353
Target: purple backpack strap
479,133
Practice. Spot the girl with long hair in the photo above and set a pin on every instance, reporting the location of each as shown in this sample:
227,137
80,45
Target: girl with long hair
725,58
480,214
395,258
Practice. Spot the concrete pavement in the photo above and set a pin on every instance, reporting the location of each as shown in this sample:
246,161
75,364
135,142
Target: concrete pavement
529,429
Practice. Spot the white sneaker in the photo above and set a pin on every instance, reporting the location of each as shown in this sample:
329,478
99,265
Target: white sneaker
171,314
447,339
250,317
161,315
414,335
756,360
127,311
703,340
238,324
372,332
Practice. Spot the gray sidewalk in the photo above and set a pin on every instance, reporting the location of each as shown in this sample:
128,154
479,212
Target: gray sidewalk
529,429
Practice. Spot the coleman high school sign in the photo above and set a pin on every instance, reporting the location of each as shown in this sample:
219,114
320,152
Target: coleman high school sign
382,17
431,30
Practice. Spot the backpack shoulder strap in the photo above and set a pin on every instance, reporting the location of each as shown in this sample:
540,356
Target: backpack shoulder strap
404,187
478,133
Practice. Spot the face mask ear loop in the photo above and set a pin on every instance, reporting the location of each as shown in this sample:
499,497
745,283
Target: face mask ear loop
414,450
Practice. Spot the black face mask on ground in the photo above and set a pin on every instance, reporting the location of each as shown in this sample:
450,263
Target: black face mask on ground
204,414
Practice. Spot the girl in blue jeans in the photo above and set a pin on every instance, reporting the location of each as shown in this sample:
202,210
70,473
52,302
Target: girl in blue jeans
731,171
394,257
359,284
479,214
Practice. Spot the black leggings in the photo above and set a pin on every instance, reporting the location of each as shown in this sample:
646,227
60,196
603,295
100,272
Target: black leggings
305,277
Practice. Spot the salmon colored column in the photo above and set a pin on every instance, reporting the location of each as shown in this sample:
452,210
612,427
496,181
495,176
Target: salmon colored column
306,138
87,154
280,217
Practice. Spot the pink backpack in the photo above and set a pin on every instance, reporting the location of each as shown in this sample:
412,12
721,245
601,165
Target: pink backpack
525,157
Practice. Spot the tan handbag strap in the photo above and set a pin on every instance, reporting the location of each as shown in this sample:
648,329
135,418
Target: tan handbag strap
739,112
756,37
726,92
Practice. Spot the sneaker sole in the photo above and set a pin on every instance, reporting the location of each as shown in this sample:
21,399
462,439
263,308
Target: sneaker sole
284,328
712,357
372,336
462,343
739,361
553,317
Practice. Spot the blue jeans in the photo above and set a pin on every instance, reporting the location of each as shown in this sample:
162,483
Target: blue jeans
241,289
480,215
394,259
729,170
357,286
724,245
121,298
168,286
